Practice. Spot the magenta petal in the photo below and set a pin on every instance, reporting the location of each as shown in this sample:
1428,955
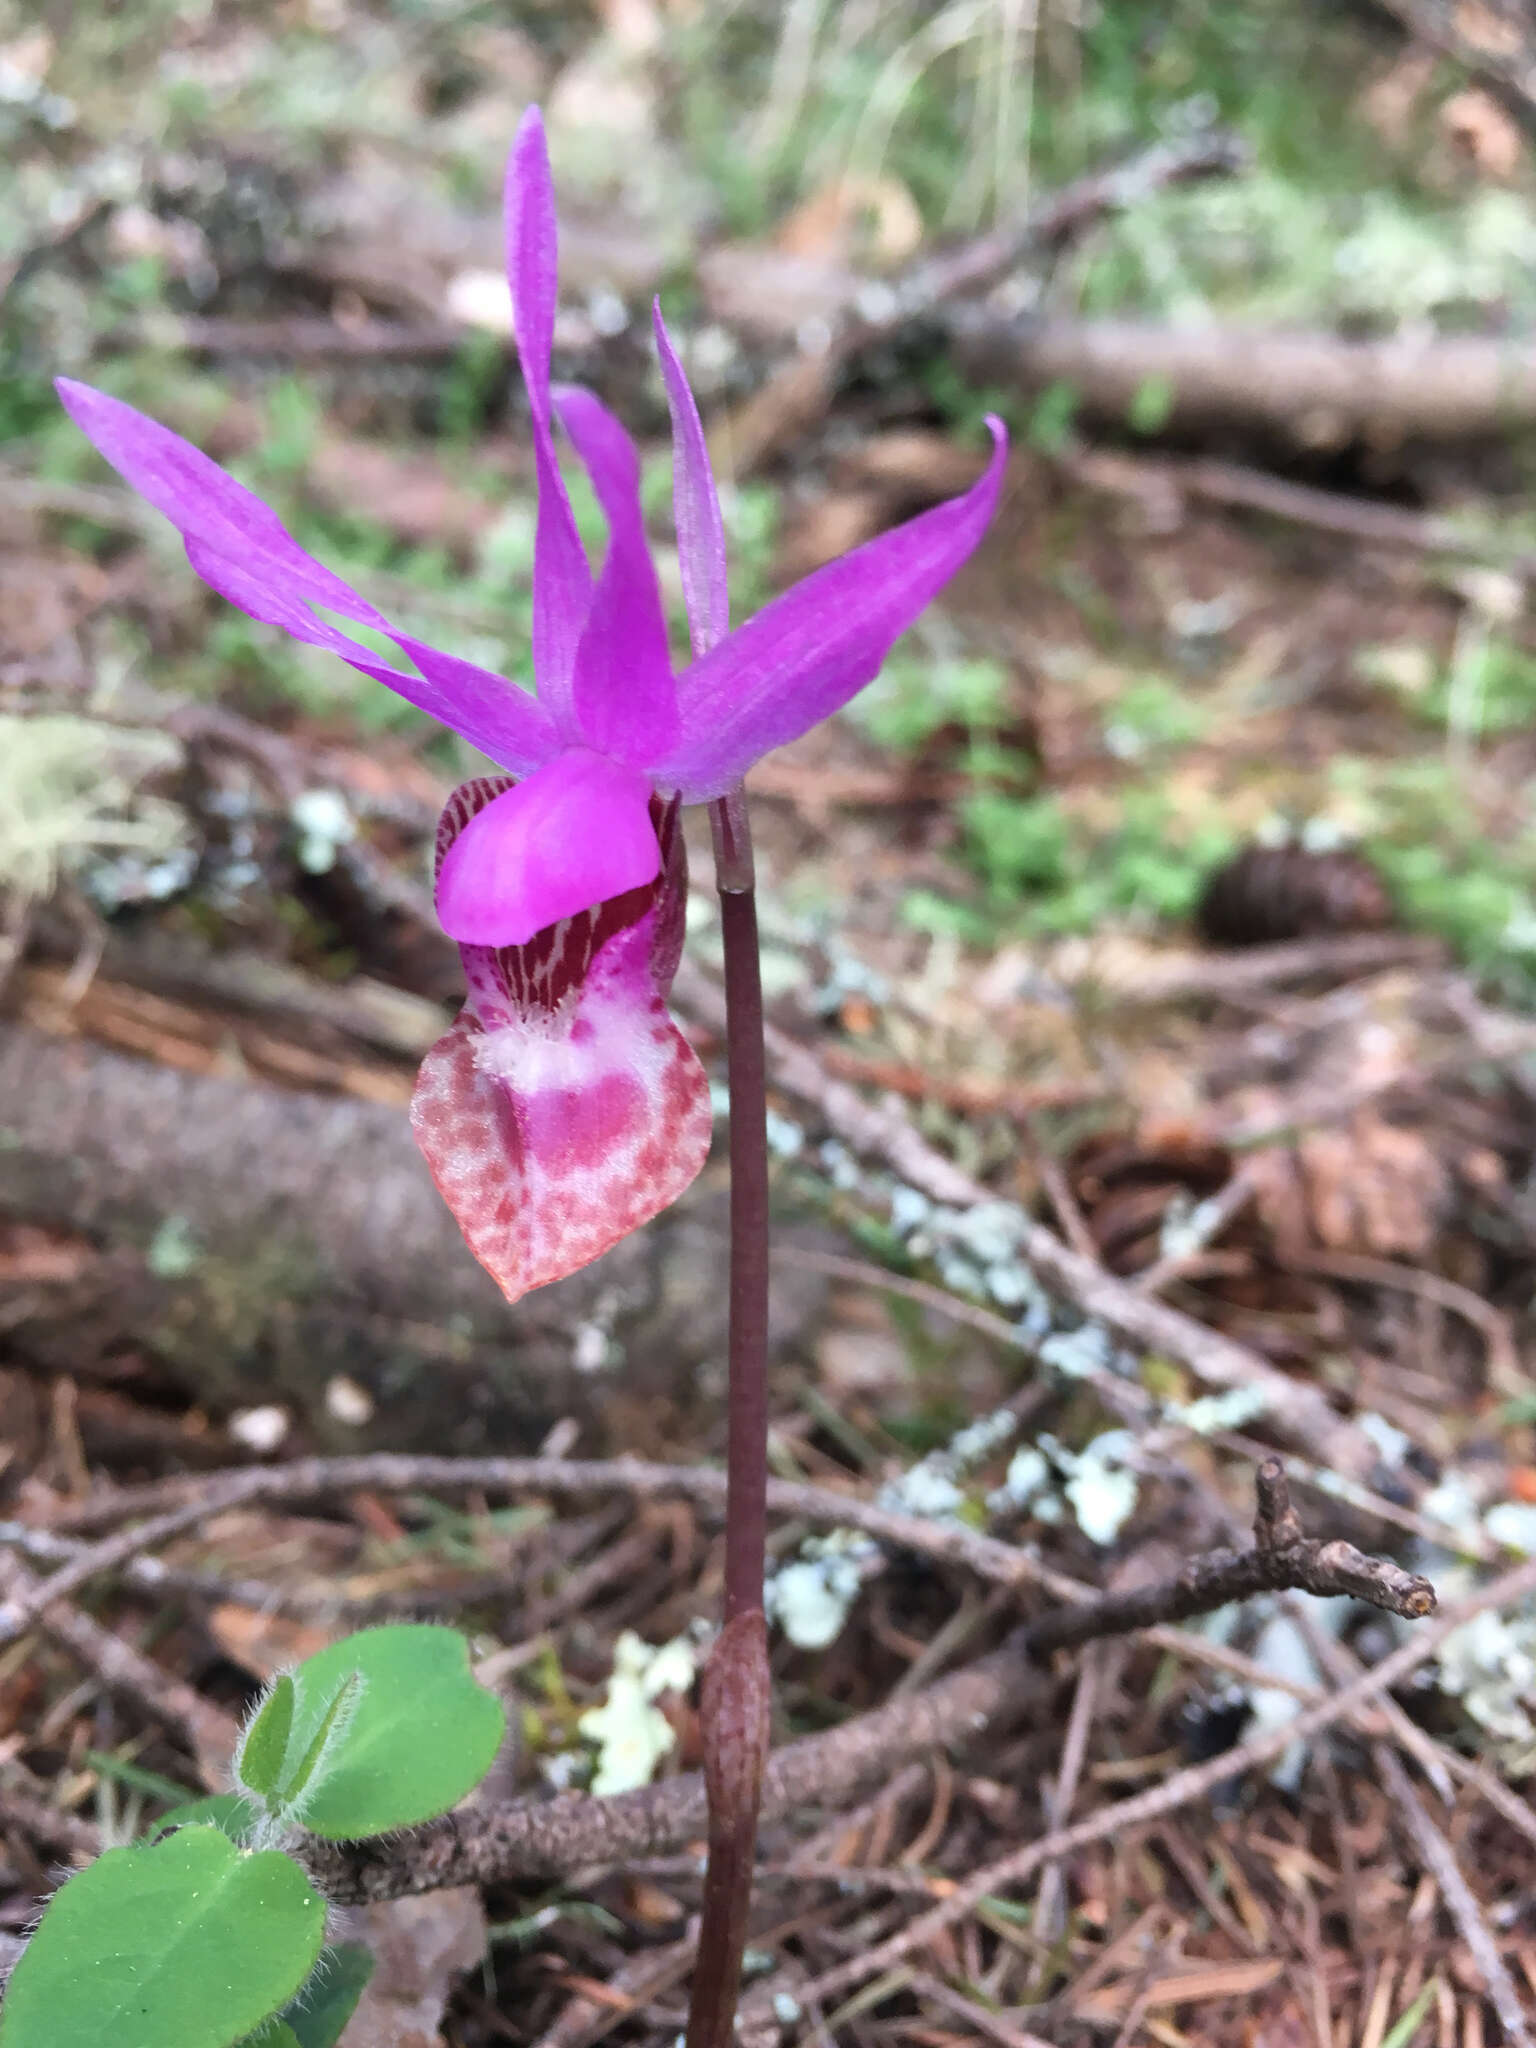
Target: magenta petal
803,656
206,504
242,550
481,706
575,833
562,578
624,694
695,504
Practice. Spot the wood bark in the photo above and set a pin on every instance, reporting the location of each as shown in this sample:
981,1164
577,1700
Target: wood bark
254,1242
1311,390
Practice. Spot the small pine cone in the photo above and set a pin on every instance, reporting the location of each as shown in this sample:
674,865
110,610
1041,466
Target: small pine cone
1268,894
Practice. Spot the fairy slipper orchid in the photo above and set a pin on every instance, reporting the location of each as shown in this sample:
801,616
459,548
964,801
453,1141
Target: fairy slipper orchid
564,1108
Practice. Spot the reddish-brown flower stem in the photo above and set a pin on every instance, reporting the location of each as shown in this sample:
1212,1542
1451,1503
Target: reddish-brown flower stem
734,1707
746,1511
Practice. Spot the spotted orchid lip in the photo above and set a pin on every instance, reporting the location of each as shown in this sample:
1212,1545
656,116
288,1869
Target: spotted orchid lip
565,1108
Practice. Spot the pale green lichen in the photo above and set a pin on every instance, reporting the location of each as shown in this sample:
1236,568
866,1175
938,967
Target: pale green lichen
631,1732
1212,1413
71,789
812,1596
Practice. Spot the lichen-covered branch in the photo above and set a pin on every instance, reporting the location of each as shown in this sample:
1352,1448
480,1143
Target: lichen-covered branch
556,1837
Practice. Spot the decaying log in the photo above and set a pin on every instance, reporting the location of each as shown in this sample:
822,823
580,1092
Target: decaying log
1311,390
256,1242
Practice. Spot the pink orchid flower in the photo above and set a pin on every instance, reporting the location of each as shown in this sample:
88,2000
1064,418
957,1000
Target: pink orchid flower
564,1107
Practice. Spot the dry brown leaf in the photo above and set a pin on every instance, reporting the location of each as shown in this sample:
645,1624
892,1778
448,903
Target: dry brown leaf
421,1947
1373,1187
265,1644
1367,1187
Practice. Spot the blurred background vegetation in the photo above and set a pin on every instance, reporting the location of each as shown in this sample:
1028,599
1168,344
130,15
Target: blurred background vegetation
275,227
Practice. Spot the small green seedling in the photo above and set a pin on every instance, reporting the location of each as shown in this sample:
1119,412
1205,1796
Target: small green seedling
209,1934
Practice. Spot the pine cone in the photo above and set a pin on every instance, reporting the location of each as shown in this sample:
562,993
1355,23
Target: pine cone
1268,894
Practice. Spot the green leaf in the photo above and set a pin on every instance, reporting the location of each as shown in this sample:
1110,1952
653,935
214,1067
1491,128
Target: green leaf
320,2013
185,1943
259,1759
421,1736
331,1733
275,2034
229,1811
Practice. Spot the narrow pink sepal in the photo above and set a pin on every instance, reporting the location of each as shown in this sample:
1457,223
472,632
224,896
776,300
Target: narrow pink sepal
564,1108
695,504
802,657
623,692
575,833
242,550
562,577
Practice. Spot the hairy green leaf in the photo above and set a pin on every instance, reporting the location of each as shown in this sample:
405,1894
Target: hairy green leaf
421,1735
314,1764
231,1811
260,1757
188,1942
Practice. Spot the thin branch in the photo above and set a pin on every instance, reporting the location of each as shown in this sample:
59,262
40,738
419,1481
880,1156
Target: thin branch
1206,1225
1282,1559
1439,1859
1181,1789
125,1670
1504,1371
1303,1413
552,1838
150,1575
28,1601
398,1472
1047,1918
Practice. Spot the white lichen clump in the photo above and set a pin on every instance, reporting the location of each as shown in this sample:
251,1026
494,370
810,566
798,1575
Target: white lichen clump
631,1732
812,1596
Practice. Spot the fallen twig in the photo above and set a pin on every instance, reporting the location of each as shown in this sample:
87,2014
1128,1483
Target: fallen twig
1439,1859
150,1575
206,1494
1314,390
31,1597
797,395
1299,1411
968,1094
125,1670
1228,483
1504,1371
1281,1557
558,1836
1206,1225
1180,1790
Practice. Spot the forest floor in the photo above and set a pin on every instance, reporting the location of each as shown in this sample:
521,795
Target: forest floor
1102,1181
